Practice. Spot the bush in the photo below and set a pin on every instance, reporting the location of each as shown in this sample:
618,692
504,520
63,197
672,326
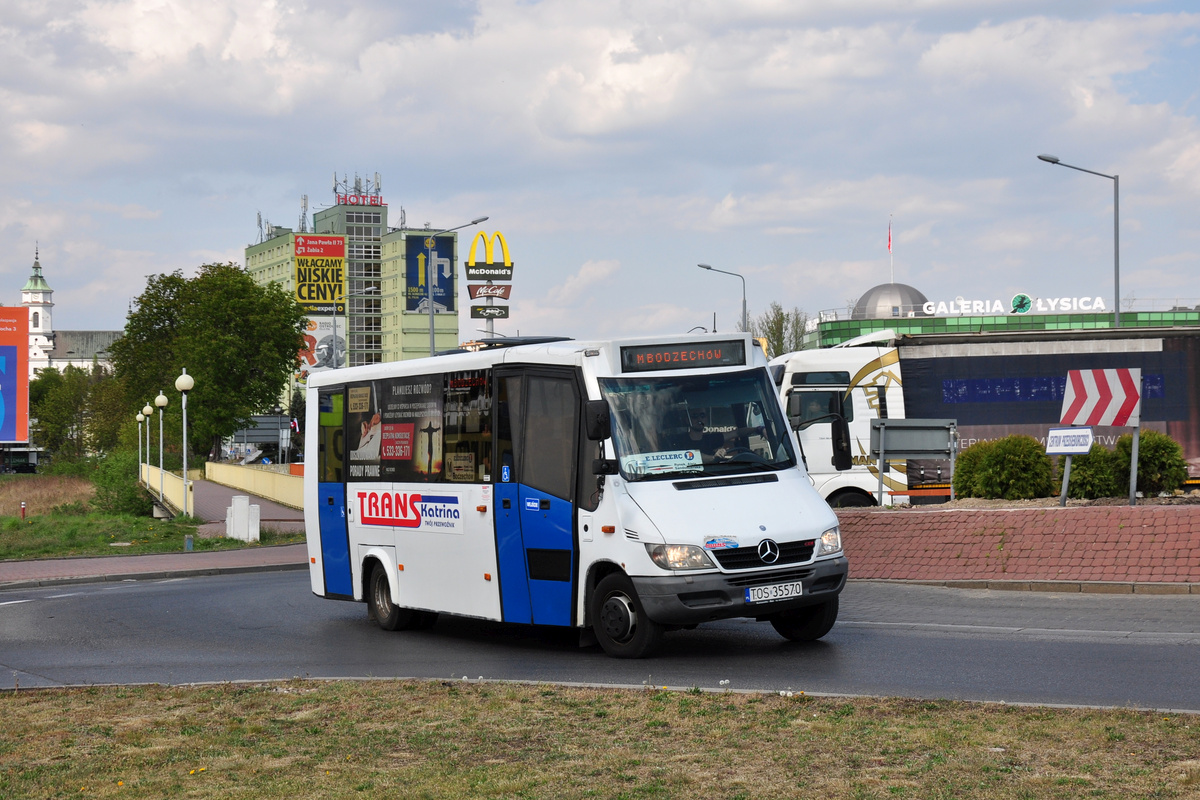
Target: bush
72,467
117,488
1161,466
1015,468
966,469
1094,474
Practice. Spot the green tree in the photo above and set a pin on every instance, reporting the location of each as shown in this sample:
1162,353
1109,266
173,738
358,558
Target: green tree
237,339
79,412
782,330
60,410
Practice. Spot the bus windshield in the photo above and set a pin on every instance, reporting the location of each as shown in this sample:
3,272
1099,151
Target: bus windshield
697,424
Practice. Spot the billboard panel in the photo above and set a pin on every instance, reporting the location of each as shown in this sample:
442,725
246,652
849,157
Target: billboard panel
320,273
419,253
14,375
324,346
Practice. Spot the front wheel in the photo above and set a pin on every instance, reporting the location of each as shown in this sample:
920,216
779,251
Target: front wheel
851,499
619,619
806,624
379,603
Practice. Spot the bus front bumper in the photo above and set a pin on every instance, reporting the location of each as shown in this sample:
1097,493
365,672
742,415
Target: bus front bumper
692,599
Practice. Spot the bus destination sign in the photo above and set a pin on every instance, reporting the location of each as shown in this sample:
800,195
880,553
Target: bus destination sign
691,355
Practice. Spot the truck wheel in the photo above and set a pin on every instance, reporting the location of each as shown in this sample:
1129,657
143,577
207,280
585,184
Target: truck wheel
380,606
851,500
620,621
806,624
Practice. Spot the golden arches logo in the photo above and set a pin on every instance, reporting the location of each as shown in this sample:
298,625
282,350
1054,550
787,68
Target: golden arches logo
488,252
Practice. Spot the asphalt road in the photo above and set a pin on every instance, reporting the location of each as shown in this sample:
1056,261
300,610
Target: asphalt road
1089,649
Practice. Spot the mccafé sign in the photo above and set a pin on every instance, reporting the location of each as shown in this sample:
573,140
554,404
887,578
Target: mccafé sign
360,200
478,290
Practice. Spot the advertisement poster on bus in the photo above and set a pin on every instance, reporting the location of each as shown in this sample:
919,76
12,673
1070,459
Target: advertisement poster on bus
324,346
425,258
395,429
14,375
320,273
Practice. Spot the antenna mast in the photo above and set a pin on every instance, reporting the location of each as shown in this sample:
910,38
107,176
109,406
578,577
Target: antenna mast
303,213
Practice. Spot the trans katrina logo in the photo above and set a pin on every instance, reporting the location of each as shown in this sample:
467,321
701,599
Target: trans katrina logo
409,510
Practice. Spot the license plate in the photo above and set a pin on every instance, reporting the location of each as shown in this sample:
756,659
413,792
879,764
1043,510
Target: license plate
778,591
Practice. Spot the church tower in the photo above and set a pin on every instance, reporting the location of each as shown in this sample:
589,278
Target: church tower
37,296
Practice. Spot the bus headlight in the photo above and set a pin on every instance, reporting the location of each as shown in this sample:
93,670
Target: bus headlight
831,542
679,556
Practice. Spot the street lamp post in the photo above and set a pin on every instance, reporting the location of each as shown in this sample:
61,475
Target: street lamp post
140,419
184,384
148,413
161,402
745,318
431,273
1116,179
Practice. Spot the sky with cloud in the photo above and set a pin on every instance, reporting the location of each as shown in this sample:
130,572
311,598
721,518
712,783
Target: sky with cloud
616,144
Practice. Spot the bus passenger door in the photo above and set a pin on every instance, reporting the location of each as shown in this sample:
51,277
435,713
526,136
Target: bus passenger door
537,441
331,494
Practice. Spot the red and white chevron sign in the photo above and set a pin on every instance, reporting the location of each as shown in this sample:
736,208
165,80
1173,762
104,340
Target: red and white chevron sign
1103,397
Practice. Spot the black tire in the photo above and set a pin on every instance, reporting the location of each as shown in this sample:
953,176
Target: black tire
380,606
619,620
806,624
851,499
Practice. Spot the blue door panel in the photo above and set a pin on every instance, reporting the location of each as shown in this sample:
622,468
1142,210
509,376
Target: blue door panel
335,542
510,553
546,531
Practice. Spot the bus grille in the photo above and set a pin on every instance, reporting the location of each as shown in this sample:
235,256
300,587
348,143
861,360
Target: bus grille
747,557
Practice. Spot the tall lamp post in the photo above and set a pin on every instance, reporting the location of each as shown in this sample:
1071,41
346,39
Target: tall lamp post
140,418
1116,179
184,384
148,413
745,318
431,273
161,402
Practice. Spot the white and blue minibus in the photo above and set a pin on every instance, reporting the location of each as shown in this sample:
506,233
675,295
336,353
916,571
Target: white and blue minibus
626,488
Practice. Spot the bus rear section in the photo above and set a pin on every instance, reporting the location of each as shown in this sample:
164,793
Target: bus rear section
626,488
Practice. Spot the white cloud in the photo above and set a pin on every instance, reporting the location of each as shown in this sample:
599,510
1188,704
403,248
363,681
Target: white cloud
634,140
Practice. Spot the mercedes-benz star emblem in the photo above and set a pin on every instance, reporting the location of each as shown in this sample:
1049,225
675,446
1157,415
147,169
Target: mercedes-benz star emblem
768,551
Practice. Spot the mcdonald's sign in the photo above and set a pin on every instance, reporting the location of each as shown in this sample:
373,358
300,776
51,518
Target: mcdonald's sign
489,269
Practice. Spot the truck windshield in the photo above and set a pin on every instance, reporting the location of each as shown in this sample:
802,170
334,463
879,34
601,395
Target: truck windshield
697,424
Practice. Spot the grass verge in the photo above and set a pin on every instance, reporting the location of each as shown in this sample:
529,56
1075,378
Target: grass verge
458,739
66,533
59,522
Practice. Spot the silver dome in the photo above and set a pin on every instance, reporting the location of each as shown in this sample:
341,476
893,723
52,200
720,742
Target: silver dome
888,301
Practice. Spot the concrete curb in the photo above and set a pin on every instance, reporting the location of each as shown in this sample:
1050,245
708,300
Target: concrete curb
149,576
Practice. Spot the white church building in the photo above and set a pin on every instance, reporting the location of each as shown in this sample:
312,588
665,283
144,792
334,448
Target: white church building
58,349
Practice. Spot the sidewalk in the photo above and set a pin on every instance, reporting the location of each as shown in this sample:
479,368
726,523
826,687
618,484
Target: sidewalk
97,569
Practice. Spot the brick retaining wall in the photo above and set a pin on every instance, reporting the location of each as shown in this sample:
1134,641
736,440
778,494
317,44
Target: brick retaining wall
1153,544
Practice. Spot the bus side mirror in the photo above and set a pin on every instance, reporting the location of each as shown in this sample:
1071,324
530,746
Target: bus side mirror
596,421
841,444
793,410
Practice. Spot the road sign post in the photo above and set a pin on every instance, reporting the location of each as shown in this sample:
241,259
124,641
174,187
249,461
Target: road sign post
1106,397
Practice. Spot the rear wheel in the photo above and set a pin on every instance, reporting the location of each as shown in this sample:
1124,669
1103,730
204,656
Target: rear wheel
620,621
806,624
380,606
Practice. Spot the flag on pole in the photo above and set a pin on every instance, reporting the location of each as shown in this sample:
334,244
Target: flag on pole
889,235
